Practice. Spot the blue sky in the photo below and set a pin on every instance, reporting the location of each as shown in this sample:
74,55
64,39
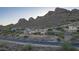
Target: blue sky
10,15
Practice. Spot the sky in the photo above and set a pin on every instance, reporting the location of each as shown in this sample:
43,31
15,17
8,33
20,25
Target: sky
11,15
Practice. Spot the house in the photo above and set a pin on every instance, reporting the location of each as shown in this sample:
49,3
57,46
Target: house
71,28
42,31
28,31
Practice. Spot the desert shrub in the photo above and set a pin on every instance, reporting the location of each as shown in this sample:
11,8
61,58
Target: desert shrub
59,28
2,45
37,33
61,36
50,33
26,48
50,30
68,47
29,47
58,39
26,36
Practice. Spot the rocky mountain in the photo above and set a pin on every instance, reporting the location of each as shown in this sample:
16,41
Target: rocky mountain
53,18
1,27
22,23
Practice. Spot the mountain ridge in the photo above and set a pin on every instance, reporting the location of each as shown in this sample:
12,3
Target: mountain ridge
51,19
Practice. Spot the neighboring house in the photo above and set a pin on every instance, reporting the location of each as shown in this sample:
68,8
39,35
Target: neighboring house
28,31
71,28
42,31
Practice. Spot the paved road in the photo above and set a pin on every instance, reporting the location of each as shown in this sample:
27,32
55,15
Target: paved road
42,42
35,41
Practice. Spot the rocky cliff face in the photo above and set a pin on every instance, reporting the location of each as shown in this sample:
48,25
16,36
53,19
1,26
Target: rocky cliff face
22,23
53,18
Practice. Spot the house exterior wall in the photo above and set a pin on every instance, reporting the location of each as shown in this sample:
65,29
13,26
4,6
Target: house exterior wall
71,29
42,31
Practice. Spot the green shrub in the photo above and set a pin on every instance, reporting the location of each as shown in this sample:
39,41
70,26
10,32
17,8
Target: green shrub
26,36
27,48
37,33
50,30
68,47
58,39
50,33
2,44
59,28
